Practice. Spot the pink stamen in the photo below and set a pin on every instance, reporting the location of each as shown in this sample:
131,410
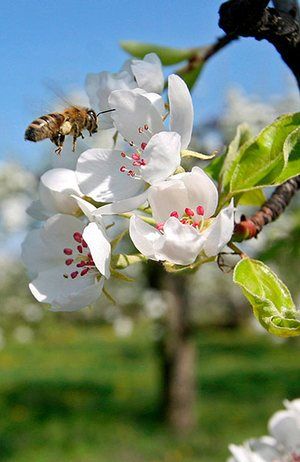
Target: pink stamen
79,248
123,154
174,214
136,156
84,271
123,169
195,224
183,221
68,251
143,146
137,163
77,236
65,276
160,226
143,162
84,244
189,212
200,210
131,143
69,261
74,274
81,264
140,129
146,127
130,173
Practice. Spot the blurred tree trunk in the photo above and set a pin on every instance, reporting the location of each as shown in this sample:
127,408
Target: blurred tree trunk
178,357
176,350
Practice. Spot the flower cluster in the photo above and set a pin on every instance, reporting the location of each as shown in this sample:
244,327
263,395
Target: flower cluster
282,446
172,212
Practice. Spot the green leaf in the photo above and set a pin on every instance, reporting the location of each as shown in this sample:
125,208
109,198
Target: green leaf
215,167
255,197
198,155
190,77
232,154
121,261
292,149
270,299
168,55
261,161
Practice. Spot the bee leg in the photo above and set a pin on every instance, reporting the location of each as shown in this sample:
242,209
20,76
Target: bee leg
58,140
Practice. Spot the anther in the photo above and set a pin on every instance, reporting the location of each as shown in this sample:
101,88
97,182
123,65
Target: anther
68,251
143,146
160,226
174,214
69,261
84,271
200,210
123,169
189,212
81,264
84,244
123,154
77,237
140,129
79,248
146,127
74,274
136,156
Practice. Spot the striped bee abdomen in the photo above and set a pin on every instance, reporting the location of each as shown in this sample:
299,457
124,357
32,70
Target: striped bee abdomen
44,127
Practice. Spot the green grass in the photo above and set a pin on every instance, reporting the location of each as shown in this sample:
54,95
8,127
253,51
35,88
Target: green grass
81,395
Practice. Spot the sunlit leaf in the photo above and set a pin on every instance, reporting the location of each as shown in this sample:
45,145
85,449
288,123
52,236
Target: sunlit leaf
215,167
261,161
292,149
270,299
190,77
255,197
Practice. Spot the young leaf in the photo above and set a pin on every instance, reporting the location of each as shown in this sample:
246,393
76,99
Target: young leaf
215,167
255,197
262,160
167,55
292,149
270,299
233,152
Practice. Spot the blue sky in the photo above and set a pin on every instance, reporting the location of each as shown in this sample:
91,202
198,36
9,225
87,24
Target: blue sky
63,41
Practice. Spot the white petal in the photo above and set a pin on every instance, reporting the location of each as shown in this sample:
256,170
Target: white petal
180,244
65,294
285,429
86,207
134,111
243,454
98,174
162,156
55,189
267,448
166,197
201,190
181,109
36,254
220,231
143,236
148,73
99,247
37,211
99,87
126,205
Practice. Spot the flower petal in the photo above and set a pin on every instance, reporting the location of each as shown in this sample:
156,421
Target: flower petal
126,205
133,112
55,189
65,294
148,73
99,87
201,190
143,236
99,246
181,109
37,211
180,244
98,174
285,428
166,197
162,156
220,232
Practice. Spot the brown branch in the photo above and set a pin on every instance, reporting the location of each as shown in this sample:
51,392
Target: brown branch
269,212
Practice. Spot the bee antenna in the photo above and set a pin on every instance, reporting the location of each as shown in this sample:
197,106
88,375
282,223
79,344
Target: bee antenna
104,112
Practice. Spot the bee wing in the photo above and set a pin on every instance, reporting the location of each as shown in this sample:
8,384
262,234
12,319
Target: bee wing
74,98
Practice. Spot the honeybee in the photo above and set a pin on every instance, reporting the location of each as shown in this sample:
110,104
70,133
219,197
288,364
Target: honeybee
57,125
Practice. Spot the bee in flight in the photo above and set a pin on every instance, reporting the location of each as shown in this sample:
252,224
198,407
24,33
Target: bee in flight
57,125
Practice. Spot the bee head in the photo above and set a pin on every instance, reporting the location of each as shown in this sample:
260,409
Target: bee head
92,121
